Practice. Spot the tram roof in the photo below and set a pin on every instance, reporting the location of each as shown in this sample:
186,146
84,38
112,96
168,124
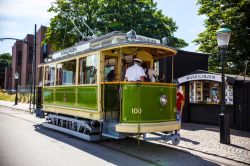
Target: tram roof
158,51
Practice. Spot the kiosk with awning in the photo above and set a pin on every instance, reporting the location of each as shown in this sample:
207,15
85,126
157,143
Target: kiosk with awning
203,96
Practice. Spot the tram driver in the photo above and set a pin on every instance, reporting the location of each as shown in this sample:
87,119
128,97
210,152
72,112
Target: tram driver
135,72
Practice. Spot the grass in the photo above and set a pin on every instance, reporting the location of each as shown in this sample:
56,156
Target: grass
10,96
6,96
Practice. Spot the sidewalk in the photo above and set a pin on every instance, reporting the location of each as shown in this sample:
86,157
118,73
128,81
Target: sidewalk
196,138
19,106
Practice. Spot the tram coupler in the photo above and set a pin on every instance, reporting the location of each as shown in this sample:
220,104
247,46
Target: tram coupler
174,137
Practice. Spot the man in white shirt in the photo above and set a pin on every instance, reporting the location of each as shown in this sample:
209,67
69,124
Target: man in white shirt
135,72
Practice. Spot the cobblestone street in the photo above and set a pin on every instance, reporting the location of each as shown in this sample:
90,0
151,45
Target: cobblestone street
206,139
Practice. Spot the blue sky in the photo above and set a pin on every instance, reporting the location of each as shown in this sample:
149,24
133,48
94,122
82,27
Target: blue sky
184,13
18,17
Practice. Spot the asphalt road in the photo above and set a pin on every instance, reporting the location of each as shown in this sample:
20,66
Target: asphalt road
24,142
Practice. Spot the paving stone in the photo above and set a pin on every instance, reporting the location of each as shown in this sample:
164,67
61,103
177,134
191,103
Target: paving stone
206,139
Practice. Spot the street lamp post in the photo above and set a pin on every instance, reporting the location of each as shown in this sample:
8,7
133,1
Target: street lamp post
223,37
16,75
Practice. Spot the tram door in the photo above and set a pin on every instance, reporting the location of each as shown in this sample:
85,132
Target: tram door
111,89
39,88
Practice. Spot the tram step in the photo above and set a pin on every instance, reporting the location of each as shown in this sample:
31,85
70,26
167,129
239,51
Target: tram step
109,130
74,133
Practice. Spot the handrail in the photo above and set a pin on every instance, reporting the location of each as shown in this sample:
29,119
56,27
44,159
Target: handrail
144,83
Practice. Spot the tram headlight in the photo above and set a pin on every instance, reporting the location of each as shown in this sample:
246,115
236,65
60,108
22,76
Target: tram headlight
163,100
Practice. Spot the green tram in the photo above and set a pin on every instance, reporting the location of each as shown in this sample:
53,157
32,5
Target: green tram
78,98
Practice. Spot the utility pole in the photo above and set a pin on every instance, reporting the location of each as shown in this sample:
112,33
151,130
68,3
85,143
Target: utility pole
34,70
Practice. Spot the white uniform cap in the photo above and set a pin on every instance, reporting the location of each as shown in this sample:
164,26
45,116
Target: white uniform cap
138,60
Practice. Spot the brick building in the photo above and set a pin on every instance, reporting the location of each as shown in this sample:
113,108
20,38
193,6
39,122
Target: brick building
22,54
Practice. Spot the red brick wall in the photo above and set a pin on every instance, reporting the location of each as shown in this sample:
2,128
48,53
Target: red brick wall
26,67
40,35
26,64
8,74
15,68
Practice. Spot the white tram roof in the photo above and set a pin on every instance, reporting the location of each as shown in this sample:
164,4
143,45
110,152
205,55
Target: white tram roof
112,38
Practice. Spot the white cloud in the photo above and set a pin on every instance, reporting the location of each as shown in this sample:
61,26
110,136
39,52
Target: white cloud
26,8
18,17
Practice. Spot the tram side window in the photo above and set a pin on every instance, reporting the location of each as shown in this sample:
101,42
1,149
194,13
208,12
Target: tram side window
87,70
66,72
40,76
49,79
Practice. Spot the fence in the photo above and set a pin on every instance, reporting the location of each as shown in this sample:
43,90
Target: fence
25,93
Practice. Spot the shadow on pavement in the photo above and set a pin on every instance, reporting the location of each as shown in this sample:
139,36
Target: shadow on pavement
195,127
153,154
188,140
240,147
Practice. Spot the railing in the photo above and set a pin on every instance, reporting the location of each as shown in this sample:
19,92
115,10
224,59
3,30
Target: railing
25,93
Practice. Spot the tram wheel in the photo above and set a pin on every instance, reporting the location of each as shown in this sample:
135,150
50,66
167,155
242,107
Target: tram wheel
175,139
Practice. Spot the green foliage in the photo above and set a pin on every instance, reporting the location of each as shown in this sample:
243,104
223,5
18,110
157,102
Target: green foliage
104,16
235,13
5,60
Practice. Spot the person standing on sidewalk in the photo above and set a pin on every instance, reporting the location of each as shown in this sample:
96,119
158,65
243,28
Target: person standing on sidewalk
179,104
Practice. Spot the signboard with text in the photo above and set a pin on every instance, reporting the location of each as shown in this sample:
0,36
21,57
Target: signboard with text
211,77
71,50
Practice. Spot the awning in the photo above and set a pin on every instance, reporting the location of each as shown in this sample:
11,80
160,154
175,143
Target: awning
203,75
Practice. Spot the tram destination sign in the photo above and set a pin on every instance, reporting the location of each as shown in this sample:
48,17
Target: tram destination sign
71,50
211,77
147,39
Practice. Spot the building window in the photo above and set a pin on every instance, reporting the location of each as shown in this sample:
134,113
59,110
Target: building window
45,50
29,78
19,80
30,54
19,57
9,82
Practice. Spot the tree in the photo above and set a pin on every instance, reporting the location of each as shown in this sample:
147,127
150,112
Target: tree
5,60
234,13
105,16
